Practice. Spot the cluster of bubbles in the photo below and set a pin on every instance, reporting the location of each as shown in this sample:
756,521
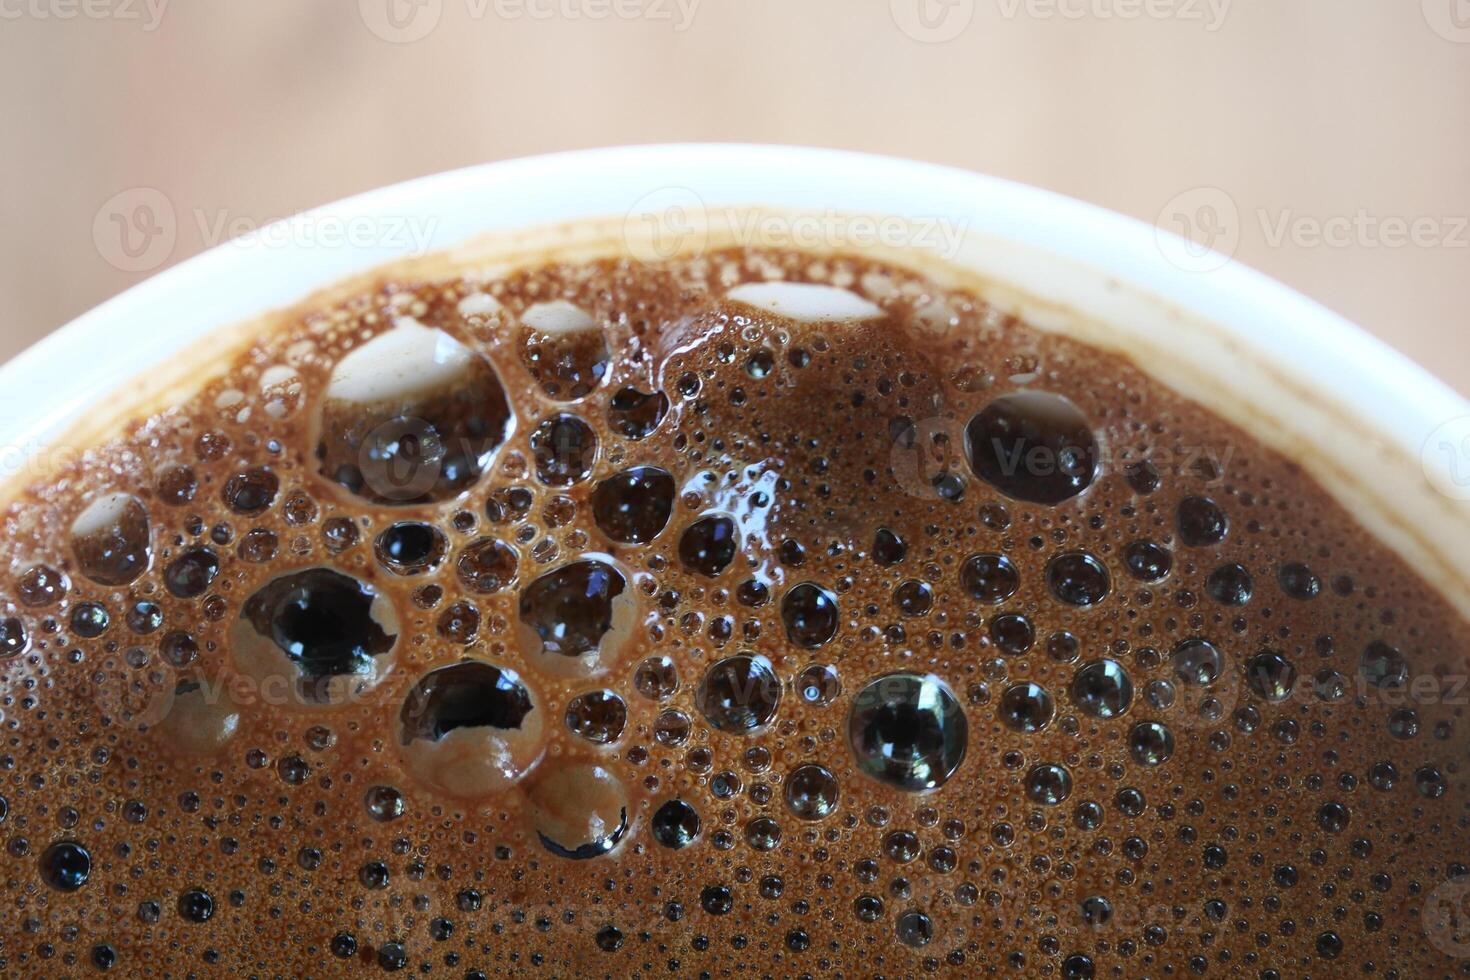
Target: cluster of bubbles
620,616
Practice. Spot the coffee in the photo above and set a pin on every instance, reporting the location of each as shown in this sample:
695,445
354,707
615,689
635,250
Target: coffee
759,613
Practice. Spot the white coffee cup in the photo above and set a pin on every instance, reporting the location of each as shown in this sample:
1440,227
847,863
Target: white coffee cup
1386,438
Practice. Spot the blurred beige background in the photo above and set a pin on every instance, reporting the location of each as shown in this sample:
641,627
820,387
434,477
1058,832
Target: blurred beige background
1335,130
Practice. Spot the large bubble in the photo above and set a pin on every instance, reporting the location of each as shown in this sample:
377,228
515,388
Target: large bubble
411,417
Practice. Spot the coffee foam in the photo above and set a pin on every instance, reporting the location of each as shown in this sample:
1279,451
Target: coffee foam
1338,440
796,415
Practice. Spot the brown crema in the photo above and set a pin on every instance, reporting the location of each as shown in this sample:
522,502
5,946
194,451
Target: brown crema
756,614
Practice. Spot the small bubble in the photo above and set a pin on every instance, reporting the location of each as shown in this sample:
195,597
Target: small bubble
251,492
716,900
103,957
609,939
1197,662
1430,783
1097,911
763,834
293,770
1143,477
1077,579
598,716
709,545
15,639
675,824
258,546
908,731
319,738
487,566
1150,743
739,695
1102,689
1230,585
752,593
995,516
809,613
144,618
410,547
915,929
384,803
1026,707
1403,723
1329,685
1063,647
66,866
1148,561
760,364
1012,633
179,649
1201,522
1298,581
635,414
1384,666
339,535
191,574
888,547
1087,816
656,678
989,578
672,727
819,685
1270,675
392,957
1048,784
41,585
634,506
913,598
460,623
565,449
811,792
196,905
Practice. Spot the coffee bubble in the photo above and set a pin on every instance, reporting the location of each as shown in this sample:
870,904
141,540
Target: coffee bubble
412,416
471,729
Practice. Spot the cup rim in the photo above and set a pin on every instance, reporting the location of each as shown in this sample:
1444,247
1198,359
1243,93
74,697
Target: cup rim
1392,398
